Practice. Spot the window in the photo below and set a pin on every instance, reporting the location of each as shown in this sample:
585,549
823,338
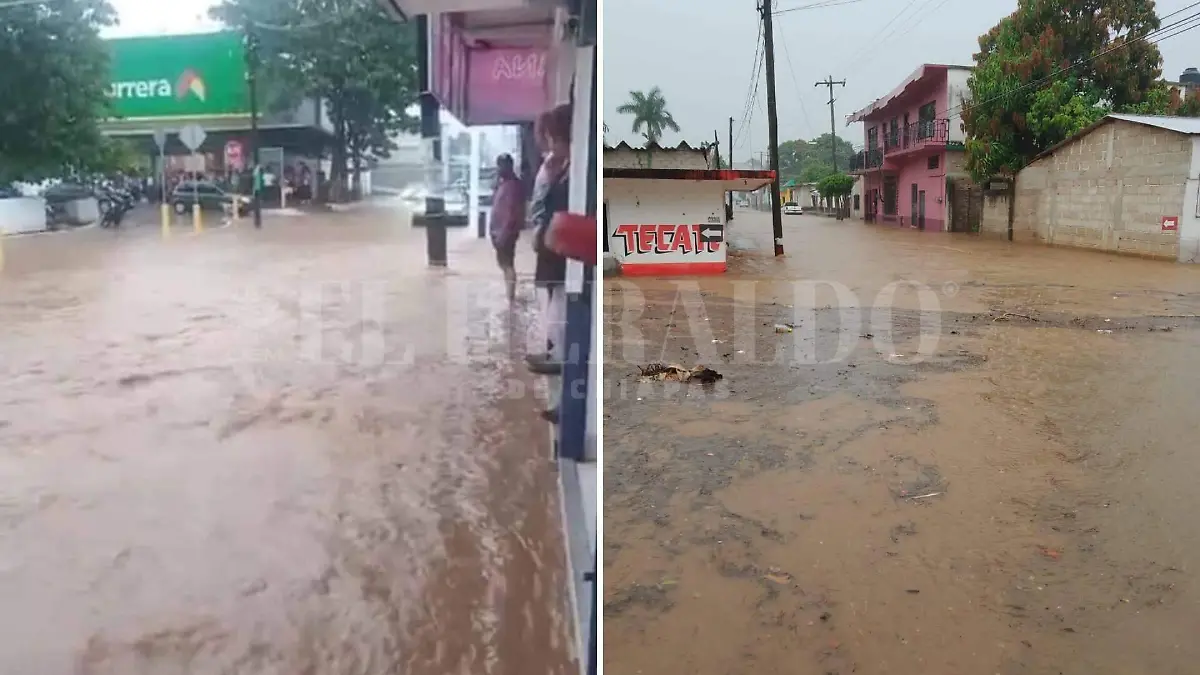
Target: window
872,138
934,162
890,194
857,202
926,116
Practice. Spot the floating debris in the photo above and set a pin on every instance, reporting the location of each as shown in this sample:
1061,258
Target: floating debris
657,372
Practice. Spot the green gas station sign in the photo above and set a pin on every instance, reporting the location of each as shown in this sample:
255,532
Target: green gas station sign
179,76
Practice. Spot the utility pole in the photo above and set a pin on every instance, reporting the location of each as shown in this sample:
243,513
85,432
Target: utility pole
731,165
252,63
717,147
772,121
828,82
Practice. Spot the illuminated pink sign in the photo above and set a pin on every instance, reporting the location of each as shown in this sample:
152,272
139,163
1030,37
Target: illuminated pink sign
505,85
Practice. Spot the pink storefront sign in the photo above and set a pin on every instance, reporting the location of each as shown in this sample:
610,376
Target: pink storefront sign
505,85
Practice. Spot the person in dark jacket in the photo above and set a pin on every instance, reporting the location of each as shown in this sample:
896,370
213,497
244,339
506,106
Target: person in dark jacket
551,194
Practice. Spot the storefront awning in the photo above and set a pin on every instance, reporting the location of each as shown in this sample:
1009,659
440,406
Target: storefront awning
731,180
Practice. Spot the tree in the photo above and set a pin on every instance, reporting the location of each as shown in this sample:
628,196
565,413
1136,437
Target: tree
56,73
810,161
1039,77
649,110
836,188
348,55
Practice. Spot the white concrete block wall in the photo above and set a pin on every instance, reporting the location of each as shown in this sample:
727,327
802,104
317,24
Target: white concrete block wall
957,91
1189,224
1108,190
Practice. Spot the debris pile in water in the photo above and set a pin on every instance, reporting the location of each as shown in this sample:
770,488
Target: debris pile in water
657,372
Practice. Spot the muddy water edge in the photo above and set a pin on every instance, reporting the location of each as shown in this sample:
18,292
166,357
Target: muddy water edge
1018,502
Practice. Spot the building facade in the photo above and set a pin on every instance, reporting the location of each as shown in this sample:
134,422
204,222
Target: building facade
912,155
1127,184
503,62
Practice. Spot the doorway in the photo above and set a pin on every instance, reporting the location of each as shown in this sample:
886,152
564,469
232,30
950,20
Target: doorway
914,204
921,210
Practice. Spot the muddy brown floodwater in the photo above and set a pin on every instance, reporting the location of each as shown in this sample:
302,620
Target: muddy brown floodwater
279,452
1021,501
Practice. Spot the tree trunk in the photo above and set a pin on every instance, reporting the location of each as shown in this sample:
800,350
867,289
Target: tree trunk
337,170
356,144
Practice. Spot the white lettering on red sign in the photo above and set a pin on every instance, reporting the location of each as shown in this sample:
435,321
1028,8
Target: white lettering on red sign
520,67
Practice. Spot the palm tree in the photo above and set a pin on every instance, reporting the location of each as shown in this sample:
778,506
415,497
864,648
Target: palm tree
649,110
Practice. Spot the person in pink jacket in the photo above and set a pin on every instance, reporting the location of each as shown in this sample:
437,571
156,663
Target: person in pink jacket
508,217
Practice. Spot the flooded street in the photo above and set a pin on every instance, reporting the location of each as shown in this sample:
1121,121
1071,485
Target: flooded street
280,452
1015,495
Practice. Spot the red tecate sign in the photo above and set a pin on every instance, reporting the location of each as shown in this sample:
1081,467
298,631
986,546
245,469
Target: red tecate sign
669,239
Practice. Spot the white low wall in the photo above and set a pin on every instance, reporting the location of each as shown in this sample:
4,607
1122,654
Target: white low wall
24,214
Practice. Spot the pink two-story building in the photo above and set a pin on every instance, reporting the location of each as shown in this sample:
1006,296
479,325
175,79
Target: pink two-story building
912,156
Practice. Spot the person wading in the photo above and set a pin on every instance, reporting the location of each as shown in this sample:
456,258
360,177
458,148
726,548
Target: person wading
508,217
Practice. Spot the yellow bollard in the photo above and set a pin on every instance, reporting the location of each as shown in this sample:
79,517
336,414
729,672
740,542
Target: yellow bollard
237,208
197,220
166,220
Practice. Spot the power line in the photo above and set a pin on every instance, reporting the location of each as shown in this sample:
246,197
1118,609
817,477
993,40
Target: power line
816,5
871,42
1128,42
803,109
913,19
1181,11
752,94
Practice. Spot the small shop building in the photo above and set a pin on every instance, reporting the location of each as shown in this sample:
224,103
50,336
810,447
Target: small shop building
664,209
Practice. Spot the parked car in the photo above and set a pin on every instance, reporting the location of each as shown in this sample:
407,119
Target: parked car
792,209
209,195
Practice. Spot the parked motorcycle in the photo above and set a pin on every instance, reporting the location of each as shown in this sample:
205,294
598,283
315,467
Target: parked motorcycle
120,202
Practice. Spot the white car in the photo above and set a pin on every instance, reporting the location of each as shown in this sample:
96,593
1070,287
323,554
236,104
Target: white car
792,209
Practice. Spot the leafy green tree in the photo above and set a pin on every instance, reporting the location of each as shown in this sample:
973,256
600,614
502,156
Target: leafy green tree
836,188
55,68
810,161
347,54
650,115
1039,78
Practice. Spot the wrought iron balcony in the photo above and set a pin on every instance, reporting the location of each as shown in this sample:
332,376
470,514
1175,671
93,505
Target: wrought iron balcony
917,135
866,160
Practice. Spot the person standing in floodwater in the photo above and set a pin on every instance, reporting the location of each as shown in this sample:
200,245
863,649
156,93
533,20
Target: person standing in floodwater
550,195
508,217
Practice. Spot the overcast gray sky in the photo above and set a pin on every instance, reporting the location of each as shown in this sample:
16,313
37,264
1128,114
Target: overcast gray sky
700,53
158,17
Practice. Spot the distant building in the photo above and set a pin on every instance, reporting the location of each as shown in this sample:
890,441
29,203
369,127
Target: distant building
664,208
913,145
1189,81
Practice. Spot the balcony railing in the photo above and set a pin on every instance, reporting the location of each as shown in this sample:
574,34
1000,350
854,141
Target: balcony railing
866,160
917,135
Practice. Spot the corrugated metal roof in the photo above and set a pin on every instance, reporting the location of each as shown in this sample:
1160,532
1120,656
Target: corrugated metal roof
655,147
1182,125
